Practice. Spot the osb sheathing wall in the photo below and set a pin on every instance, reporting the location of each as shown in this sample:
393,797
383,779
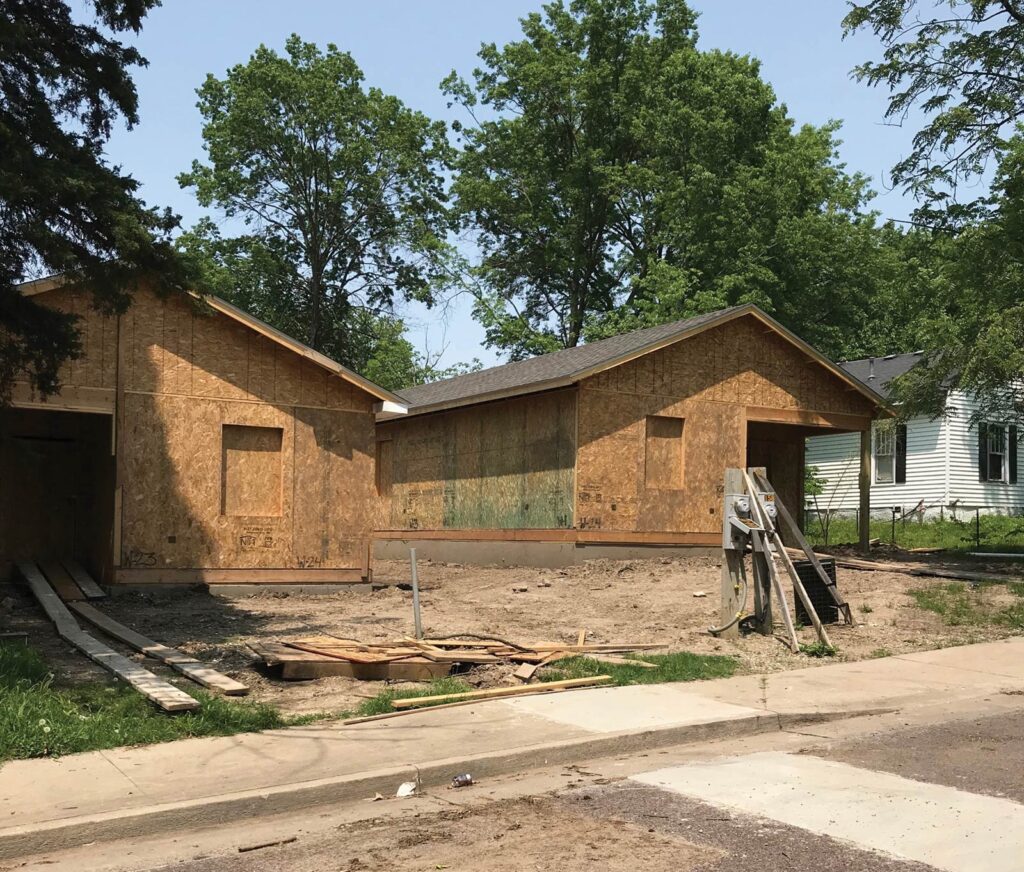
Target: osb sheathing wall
710,381
181,373
502,465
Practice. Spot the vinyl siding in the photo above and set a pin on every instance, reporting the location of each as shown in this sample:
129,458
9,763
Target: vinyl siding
963,463
837,457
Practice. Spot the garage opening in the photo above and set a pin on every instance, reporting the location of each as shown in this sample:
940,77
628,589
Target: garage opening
56,489
779,448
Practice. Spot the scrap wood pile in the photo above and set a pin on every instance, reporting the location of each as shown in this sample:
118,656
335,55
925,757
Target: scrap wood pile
424,659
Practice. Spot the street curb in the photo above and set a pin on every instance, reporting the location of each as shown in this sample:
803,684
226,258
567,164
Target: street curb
212,811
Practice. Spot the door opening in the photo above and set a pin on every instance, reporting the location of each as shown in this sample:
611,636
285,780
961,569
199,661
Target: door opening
56,488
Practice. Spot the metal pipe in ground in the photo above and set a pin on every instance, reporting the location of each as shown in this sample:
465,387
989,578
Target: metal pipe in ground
417,619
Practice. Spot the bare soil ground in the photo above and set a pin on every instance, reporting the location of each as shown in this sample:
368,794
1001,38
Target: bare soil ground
619,827
652,600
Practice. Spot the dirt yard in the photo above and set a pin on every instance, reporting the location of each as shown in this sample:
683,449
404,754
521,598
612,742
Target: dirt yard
656,600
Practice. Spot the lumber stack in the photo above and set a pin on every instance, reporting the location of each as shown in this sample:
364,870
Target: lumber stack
417,659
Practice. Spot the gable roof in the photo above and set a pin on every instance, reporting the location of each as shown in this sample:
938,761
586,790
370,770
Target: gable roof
878,372
571,365
51,283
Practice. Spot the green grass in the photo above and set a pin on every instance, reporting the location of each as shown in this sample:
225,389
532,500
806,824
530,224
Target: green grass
998,533
38,718
962,605
679,666
818,649
381,703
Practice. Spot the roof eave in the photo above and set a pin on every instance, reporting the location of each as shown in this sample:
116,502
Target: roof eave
489,397
51,283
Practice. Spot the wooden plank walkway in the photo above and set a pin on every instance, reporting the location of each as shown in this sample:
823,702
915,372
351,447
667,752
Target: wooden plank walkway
188,666
84,580
165,695
61,581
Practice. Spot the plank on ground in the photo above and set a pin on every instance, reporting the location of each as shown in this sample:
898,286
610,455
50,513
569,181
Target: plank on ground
61,582
84,580
188,666
165,695
298,665
497,692
527,670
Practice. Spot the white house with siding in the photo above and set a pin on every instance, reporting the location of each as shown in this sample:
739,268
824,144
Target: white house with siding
939,466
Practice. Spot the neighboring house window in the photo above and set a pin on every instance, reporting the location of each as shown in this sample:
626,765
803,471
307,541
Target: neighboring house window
890,453
997,452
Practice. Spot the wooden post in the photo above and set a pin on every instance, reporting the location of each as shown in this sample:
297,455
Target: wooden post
864,517
417,619
732,566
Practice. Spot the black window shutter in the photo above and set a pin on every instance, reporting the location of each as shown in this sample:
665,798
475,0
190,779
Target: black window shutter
1012,448
982,452
901,454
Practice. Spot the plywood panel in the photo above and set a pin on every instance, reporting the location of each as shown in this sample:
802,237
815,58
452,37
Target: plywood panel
504,465
334,488
710,380
251,470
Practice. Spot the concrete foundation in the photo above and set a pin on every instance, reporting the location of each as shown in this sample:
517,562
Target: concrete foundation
552,555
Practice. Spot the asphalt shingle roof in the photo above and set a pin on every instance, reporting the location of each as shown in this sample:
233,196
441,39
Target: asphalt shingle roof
558,365
878,372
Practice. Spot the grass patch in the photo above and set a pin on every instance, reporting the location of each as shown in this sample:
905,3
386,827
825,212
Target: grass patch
1000,533
818,649
962,605
381,703
679,666
880,652
40,719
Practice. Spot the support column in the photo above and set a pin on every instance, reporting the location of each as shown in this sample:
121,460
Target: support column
865,491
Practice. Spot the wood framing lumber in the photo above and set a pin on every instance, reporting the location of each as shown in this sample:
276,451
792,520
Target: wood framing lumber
296,665
46,596
581,638
61,582
527,670
188,666
804,546
921,570
801,591
773,570
165,695
84,580
497,692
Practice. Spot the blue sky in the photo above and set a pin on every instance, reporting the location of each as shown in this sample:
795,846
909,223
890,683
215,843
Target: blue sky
406,47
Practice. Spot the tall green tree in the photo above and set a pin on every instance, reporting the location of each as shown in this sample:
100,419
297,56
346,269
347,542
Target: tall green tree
339,188
616,176
63,208
960,65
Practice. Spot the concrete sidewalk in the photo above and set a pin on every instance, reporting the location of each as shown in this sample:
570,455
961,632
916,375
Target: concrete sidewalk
51,804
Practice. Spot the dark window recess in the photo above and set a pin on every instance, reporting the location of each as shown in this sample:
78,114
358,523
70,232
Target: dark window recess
901,454
992,450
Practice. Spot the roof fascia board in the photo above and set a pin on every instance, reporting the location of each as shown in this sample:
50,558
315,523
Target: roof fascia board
41,286
820,358
657,345
491,396
724,318
322,360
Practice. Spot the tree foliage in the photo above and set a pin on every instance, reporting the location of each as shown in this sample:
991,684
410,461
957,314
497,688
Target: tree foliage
616,176
63,208
961,63
340,191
